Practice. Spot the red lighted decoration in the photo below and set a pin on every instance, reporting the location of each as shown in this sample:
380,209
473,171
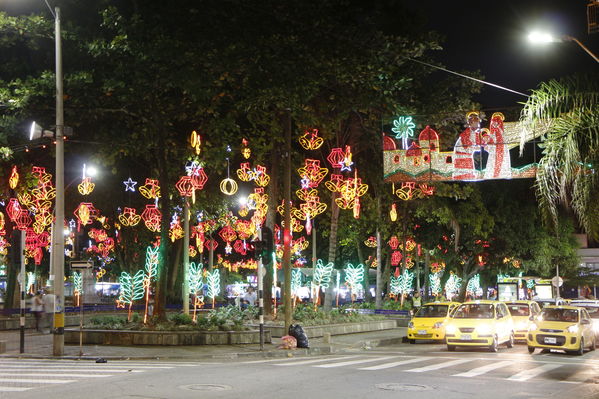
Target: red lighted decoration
85,213
198,177
310,140
185,186
151,189
211,245
240,247
336,158
13,209
395,258
13,180
23,220
152,217
393,242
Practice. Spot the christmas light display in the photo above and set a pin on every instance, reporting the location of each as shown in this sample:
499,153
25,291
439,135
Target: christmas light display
260,177
196,142
336,158
335,183
409,190
296,283
152,217
13,180
129,185
86,186
213,285
370,242
396,257
197,174
435,283
321,278
132,289
351,191
244,173
403,127
185,186
473,287
228,186
151,268
196,284
175,231
347,160
530,284
150,190
452,286
77,287
393,213
310,140
406,280
245,150
354,276
312,173
129,217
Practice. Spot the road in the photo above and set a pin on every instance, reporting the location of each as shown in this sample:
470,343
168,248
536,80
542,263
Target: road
423,370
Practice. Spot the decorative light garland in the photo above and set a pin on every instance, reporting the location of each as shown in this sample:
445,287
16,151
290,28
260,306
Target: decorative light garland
132,289
354,276
213,284
403,127
310,140
321,278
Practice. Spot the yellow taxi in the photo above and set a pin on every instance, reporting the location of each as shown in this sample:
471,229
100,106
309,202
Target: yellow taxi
568,328
521,312
480,324
429,321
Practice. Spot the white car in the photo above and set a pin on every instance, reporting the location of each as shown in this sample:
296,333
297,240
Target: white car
592,306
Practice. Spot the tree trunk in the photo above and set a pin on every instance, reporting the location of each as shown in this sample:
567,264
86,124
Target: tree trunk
165,206
367,293
427,264
273,199
328,295
176,265
379,271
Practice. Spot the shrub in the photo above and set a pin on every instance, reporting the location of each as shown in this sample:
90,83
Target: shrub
180,319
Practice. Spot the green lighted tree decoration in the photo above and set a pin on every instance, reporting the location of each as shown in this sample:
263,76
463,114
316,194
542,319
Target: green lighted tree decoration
77,287
213,282
403,127
151,267
321,278
435,283
452,286
473,286
132,289
403,284
196,283
296,284
354,275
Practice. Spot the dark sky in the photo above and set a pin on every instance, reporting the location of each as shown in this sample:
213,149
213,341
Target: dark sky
490,36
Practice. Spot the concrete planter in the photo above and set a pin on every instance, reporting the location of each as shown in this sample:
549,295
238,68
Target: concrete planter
337,329
165,338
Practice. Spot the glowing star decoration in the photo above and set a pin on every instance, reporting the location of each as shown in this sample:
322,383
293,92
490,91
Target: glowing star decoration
473,287
347,160
151,269
213,284
132,289
435,283
321,278
176,231
13,180
129,217
196,284
310,140
152,217
129,185
312,173
452,286
393,213
77,287
354,276
403,127
196,142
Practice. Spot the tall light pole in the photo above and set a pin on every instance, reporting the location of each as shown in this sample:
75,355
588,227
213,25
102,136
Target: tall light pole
536,37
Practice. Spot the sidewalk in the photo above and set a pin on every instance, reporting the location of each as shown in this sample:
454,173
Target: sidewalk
40,346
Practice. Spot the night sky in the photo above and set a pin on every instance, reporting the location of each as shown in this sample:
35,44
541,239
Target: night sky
490,36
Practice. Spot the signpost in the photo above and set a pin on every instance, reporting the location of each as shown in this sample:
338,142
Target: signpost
81,266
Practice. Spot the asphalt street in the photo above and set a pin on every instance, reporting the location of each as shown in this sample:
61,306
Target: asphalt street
420,371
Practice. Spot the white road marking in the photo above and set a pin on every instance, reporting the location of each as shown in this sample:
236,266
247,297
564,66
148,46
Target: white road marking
350,362
528,374
76,369
13,389
53,375
395,364
32,381
295,361
439,365
484,369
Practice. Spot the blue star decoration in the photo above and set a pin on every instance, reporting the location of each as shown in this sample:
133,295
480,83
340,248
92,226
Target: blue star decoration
130,185
403,127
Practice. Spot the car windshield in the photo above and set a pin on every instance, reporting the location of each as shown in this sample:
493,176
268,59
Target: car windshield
593,310
474,311
567,315
432,311
518,309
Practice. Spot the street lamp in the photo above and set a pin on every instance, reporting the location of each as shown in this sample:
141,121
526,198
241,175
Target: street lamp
537,37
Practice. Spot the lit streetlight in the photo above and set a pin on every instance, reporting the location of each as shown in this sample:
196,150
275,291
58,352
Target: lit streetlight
537,37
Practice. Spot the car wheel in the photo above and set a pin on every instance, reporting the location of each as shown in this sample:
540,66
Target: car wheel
580,350
451,348
510,342
531,349
494,345
412,341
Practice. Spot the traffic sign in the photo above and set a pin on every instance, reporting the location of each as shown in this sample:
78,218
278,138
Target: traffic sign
77,264
557,281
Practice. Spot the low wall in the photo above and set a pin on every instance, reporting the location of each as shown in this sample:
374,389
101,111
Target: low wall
337,329
119,337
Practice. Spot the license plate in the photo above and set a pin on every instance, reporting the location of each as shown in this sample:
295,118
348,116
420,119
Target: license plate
421,332
550,340
466,337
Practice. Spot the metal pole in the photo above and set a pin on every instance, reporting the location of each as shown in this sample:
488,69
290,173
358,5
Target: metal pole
186,256
81,314
58,242
287,229
23,282
557,282
261,295
589,52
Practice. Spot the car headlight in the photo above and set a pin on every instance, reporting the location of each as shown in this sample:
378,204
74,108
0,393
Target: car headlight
573,329
411,324
438,324
532,327
450,329
483,330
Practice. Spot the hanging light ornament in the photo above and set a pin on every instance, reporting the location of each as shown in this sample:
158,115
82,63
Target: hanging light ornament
228,186
244,173
335,183
260,177
347,160
152,217
196,142
336,158
150,190
176,231
310,140
370,242
246,152
13,180
312,173
393,213
86,186
129,185
85,213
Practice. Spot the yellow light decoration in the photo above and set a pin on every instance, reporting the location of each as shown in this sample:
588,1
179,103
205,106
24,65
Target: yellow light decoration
228,186
129,217
86,186
2,222
245,150
244,172
311,173
260,177
310,140
310,209
13,180
352,188
301,244
150,190
335,183
176,231
370,242
243,211
100,273
192,251
196,142
393,213
83,213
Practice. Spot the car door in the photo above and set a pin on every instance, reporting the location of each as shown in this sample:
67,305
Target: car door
587,326
501,322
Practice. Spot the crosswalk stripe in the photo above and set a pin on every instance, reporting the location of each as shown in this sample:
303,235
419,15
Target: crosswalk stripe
350,362
395,364
32,381
78,369
113,362
303,362
439,366
91,366
528,374
484,369
13,389
52,375
295,360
